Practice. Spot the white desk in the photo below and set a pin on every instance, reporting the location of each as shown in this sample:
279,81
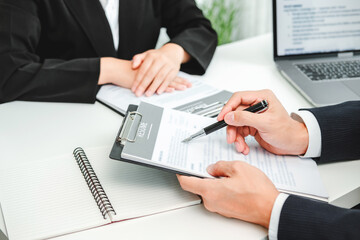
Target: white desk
31,131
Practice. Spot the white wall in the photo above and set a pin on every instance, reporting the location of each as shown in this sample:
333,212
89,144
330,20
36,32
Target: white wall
254,18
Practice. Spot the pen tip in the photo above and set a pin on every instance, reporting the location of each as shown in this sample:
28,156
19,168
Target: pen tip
186,140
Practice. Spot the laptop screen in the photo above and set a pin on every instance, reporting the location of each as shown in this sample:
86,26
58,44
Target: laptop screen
316,26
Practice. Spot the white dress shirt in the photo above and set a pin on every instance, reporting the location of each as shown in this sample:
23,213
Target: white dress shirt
314,150
111,8
312,125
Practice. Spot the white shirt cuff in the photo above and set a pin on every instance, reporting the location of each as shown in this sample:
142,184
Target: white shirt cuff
275,216
312,125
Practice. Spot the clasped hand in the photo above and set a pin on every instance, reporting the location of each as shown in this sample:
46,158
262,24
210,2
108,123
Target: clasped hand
148,72
158,69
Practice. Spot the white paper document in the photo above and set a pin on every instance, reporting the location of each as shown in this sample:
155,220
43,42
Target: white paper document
288,173
119,98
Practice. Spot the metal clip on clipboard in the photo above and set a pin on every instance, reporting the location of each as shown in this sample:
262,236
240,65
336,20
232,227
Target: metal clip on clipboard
130,127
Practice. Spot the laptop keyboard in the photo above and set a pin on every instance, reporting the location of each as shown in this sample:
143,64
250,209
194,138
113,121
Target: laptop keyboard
331,70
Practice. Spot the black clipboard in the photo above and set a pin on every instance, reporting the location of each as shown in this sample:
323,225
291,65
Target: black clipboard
127,132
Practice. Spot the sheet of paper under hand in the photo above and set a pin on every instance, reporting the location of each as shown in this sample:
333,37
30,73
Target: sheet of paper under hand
288,173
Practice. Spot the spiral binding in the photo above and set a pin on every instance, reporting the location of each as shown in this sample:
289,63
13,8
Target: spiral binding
93,183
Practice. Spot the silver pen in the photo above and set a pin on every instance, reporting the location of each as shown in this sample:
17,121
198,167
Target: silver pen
257,108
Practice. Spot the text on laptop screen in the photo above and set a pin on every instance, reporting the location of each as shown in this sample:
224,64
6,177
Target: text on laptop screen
317,26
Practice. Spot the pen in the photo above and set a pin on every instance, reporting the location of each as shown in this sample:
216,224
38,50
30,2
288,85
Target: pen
257,108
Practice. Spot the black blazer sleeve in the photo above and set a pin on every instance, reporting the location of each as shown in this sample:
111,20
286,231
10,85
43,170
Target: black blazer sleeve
24,75
187,27
303,218
340,131
51,50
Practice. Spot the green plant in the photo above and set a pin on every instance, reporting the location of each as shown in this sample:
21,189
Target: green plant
222,14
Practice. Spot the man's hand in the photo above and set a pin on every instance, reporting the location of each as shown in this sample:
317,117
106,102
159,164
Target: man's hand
273,129
158,69
242,192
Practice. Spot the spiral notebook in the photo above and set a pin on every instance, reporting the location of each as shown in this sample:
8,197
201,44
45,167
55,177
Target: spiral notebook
67,194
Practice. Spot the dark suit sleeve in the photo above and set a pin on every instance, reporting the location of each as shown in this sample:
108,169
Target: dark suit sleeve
24,76
187,27
340,131
303,218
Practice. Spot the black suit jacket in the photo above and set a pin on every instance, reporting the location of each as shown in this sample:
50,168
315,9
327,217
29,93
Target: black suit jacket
303,218
50,49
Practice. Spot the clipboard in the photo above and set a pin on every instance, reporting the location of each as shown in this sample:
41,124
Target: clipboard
265,161
128,134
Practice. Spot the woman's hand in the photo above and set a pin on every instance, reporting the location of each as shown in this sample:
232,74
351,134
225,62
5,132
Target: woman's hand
120,72
117,72
158,69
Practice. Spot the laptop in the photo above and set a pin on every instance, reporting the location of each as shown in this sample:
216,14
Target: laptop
317,48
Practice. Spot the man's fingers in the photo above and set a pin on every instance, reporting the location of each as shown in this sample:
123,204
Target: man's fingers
265,144
245,131
246,98
237,99
244,118
230,134
221,169
253,131
226,109
192,184
241,145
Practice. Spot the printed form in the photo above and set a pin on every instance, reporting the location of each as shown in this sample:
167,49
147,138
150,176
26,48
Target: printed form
288,173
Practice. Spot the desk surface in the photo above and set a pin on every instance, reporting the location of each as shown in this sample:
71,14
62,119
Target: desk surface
31,131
